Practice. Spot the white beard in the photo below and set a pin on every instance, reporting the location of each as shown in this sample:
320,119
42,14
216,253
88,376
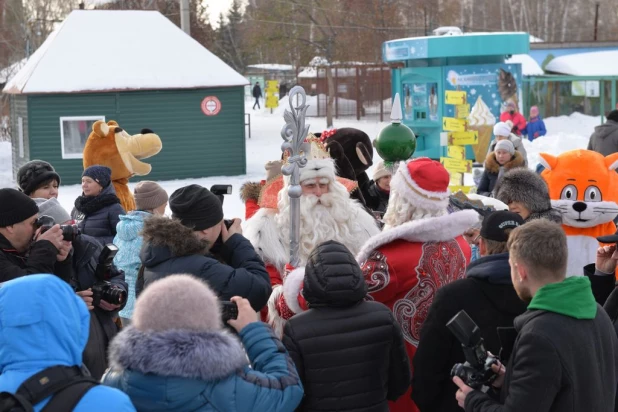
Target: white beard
400,211
333,216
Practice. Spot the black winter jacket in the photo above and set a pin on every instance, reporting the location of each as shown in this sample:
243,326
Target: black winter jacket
349,353
376,199
171,248
86,251
491,174
99,215
488,297
558,364
41,258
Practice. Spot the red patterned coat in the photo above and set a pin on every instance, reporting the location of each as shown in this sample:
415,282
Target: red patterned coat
404,267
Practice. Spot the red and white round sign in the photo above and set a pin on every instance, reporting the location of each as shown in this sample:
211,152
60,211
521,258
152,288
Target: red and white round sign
211,106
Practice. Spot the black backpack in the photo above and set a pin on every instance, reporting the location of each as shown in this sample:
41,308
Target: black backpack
65,384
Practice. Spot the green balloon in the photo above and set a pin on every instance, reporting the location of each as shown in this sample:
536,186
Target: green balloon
396,142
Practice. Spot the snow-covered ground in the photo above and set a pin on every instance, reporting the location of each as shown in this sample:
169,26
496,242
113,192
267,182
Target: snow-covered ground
564,133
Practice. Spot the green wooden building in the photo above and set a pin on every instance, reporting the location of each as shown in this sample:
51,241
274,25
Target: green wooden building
143,72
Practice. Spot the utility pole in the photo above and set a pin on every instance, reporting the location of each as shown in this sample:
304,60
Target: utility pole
596,21
185,23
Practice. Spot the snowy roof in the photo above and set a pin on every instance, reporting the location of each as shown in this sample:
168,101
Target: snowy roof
529,66
105,50
534,39
8,72
272,66
600,63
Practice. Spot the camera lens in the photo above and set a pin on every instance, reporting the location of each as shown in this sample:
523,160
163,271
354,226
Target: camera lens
114,295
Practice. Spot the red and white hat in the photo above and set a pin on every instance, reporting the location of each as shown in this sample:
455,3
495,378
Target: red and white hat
423,183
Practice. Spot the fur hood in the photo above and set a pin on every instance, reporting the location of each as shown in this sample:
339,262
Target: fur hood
435,229
524,186
250,191
170,233
492,165
207,356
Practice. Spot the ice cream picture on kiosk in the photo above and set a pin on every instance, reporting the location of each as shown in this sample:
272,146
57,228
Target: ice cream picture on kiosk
396,142
481,120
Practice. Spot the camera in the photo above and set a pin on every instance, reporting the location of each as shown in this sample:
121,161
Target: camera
103,289
476,372
69,232
229,310
221,190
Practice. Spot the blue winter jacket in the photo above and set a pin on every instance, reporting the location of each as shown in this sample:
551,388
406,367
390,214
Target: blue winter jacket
129,241
43,323
178,370
535,128
99,215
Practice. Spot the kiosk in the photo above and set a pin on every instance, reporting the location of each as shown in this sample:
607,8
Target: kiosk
425,68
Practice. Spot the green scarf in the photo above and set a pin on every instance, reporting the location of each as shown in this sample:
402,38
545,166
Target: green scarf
571,297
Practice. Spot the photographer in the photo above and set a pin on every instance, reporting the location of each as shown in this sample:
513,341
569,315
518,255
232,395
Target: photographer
86,252
184,244
565,356
24,250
487,295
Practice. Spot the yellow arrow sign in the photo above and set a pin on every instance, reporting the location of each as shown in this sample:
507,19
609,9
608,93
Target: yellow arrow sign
462,111
272,102
463,138
456,152
450,124
456,165
465,189
272,86
455,97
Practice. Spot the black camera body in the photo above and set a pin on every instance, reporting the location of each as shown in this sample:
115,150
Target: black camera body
476,372
69,232
103,289
229,311
220,191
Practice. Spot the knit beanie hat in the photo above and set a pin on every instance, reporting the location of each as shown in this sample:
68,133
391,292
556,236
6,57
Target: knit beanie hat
505,145
502,129
100,174
149,195
380,171
177,302
423,183
52,208
15,207
613,116
524,186
33,174
196,207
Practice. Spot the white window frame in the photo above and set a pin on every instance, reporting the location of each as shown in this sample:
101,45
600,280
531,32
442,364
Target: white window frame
74,118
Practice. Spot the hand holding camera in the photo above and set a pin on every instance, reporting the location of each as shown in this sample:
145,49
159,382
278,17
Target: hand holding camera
52,234
246,314
228,232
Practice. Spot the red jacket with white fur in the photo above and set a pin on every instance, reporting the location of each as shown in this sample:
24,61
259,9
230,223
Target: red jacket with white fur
404,267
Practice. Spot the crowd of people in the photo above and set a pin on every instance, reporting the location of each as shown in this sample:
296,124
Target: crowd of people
131,311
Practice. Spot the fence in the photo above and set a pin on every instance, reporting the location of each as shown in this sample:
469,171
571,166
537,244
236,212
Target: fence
361,91
563,95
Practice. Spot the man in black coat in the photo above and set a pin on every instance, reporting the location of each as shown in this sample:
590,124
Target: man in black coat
257,94
349,353
565,356
488,297
184,244
24,250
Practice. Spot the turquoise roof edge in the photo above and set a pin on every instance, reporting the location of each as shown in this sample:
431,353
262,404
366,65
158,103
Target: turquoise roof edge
473,44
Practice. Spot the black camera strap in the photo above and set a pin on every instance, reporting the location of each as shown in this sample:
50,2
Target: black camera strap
67,385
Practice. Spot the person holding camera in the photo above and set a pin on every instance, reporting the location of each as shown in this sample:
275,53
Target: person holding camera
176,355
488,297
26,249
565,356
98,209
88,277
184,244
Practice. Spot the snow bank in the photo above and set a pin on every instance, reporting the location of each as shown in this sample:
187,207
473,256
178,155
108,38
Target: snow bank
6,162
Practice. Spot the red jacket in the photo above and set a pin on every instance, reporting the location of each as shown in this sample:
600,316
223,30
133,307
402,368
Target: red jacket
404,267
519,121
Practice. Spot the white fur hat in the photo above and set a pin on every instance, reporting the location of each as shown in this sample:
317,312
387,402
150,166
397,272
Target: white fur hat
423,183
502,129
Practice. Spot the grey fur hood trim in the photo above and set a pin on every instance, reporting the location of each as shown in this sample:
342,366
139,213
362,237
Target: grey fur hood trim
163,231
206,356
524,186
552,215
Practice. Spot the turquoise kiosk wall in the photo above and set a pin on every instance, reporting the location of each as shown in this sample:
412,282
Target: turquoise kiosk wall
473,62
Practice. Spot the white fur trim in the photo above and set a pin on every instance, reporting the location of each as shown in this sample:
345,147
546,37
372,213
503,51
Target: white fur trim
435,229
317,168
292,285
488,201
419,197
544,163
613,166
261,230
274,320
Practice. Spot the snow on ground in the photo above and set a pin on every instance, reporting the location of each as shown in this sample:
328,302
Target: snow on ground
598,63
565,133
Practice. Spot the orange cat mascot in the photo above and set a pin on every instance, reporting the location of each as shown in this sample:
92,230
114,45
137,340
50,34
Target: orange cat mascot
583,187
110,145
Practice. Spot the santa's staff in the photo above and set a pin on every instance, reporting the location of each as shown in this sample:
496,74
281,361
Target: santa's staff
294,133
